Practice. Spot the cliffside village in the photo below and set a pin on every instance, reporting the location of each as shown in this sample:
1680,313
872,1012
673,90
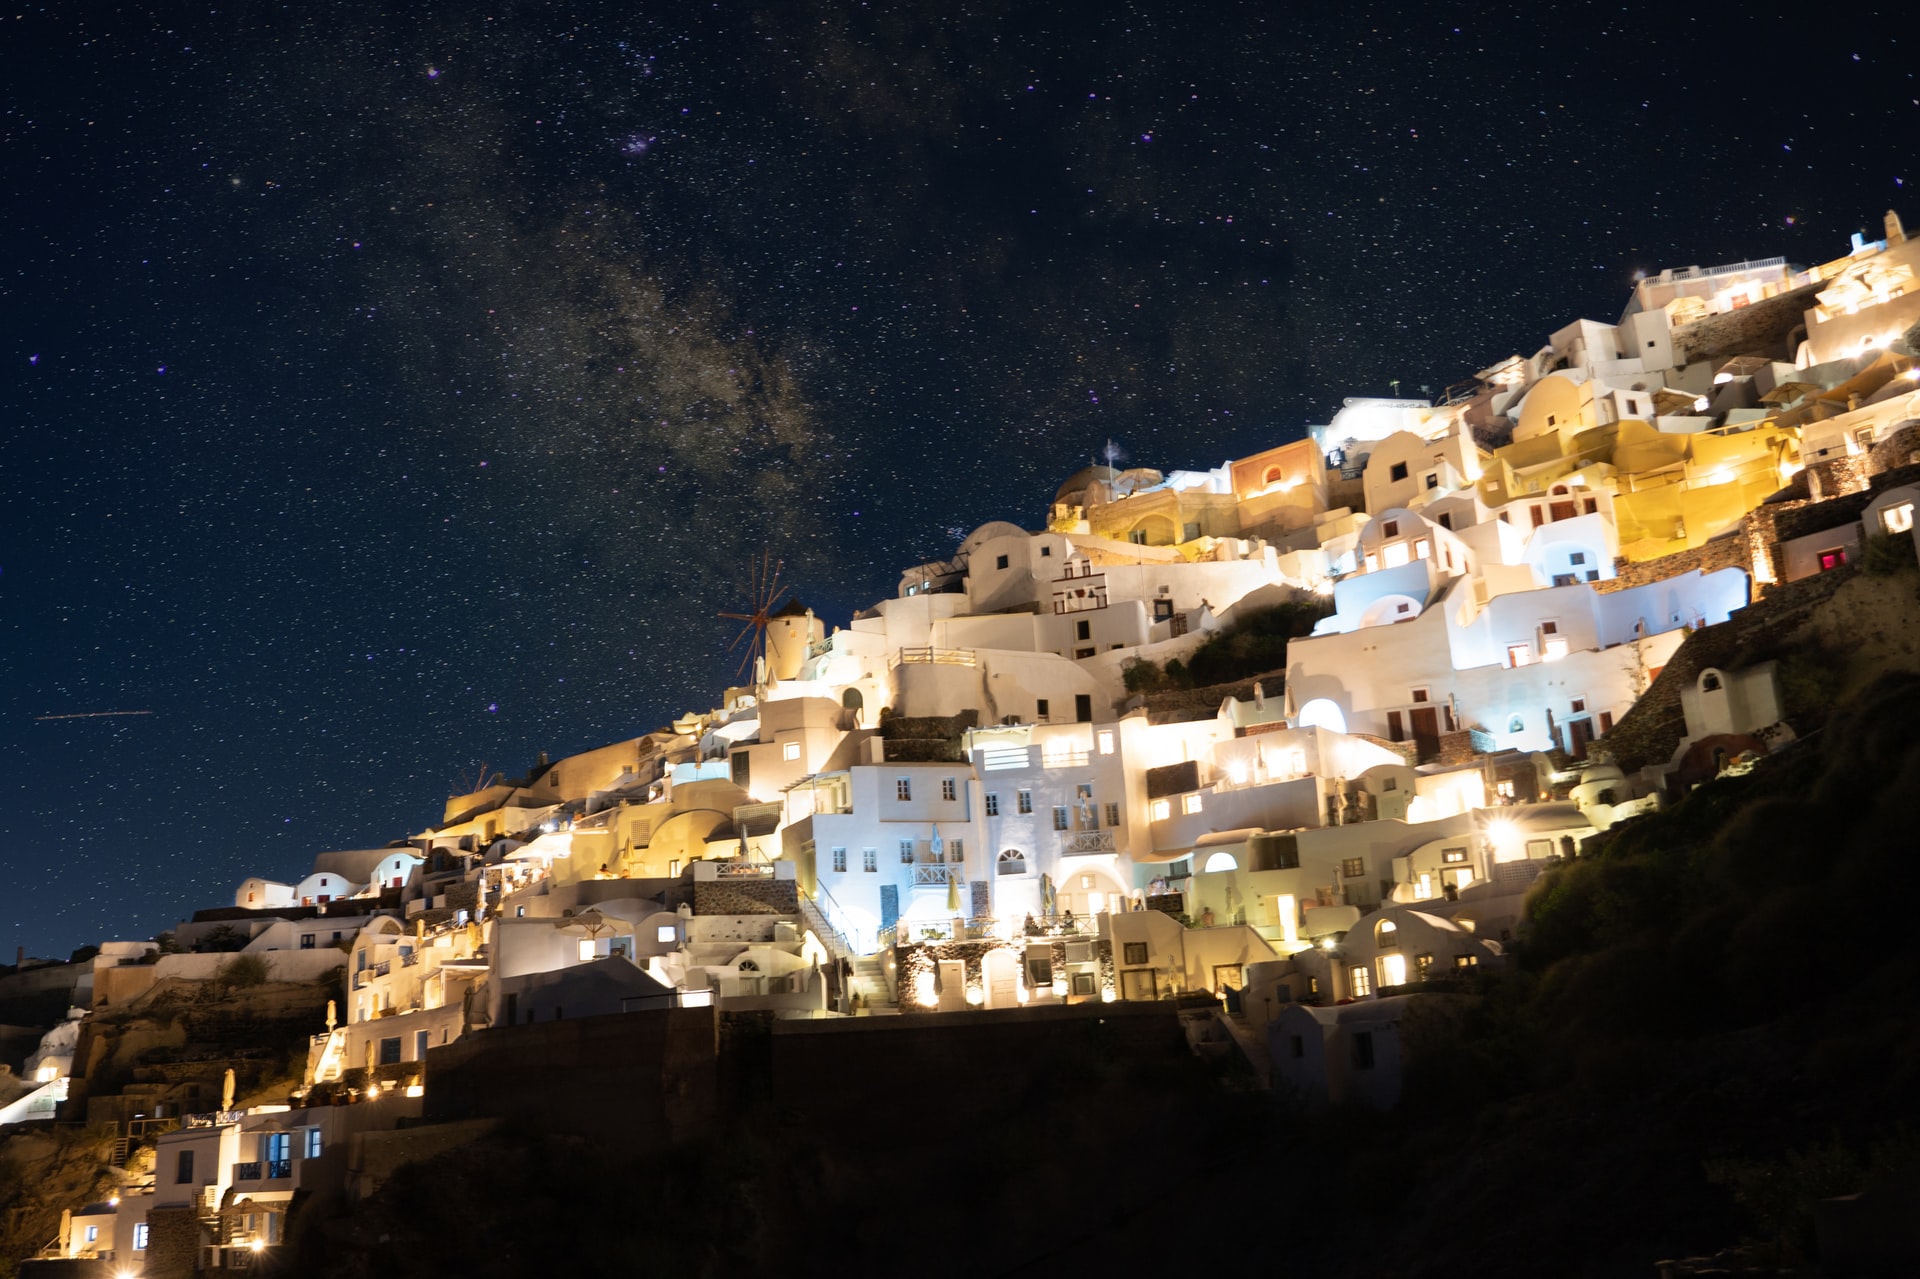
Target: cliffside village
955,807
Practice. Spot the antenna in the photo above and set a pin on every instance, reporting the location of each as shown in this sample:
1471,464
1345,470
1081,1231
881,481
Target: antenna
763,596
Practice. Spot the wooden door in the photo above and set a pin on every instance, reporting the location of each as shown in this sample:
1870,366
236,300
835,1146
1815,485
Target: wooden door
1426,732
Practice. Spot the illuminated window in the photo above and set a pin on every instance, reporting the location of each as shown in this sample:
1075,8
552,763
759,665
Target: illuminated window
1423,966
1832,558
140,1233
1422,549
1220,862
1553,650
1453,856
1104,740
1898,519
1190,804
1360,979
1395,554
1519,655
1160,810
903,788
790,751
1466,961
948,790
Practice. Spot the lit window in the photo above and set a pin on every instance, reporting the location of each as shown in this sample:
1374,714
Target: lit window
1466,961
1161,810
140,1233
1385,934
1519,655
790,750
1190,803
1361,978
1554,650
1105,736
1898,519
1394,554
1220,862
1422,549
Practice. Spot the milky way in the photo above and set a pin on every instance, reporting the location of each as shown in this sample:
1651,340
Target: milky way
388,393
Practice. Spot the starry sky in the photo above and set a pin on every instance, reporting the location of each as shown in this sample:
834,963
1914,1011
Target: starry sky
386,393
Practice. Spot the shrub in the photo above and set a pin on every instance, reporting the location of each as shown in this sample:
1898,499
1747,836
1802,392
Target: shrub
243,971
1887,554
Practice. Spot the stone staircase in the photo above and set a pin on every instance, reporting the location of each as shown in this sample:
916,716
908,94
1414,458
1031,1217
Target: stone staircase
870,979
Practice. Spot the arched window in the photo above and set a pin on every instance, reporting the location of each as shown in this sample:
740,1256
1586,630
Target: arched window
1710,682
1273,474
1220,861
1012,862
852,700
1386,933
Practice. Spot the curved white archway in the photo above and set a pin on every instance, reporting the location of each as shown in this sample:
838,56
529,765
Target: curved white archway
1321,713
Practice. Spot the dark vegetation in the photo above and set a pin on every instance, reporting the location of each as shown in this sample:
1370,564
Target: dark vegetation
1255,644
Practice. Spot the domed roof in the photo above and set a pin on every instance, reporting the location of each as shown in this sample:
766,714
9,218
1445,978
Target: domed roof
1082,478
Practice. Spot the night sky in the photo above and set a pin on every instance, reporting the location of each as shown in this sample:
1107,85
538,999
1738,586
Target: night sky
381,394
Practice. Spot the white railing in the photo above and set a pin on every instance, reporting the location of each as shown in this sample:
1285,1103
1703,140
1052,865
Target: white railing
997,758
936,657
1086,841
1066,759
932,873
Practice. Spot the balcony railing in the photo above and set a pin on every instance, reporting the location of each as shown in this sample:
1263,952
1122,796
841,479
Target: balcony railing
1065,759
936,657
215,1118
248,1171
1087,841
932,873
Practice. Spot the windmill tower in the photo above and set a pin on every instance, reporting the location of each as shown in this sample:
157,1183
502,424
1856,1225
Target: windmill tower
763,597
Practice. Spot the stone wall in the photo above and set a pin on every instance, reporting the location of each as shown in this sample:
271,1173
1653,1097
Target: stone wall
644,1078
745,896
1760,329
1901,449
173,1243
1721,552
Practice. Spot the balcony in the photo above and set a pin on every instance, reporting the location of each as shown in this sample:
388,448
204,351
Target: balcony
1086,842
1065,759
932,873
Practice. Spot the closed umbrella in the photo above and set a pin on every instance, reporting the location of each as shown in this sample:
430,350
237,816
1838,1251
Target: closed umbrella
1046,895
953,894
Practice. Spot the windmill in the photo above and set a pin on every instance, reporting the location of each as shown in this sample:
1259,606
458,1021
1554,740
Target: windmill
482,778
763,597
